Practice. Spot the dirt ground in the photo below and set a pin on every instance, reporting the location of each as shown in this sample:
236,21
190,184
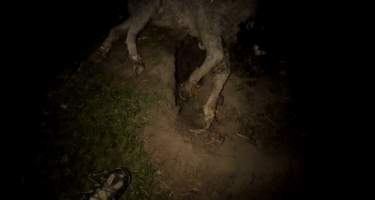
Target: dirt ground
224,162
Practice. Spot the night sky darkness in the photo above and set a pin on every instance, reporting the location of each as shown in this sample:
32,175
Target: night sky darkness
63,33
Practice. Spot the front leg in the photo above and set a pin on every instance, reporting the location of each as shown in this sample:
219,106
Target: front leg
215,55
138,65
113,35
138,22
220,78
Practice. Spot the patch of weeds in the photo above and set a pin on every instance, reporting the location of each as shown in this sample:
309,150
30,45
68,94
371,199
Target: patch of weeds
94,127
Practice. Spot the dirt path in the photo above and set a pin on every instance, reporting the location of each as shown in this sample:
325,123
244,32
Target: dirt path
218,164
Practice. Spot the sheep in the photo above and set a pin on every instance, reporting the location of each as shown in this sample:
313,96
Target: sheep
215,23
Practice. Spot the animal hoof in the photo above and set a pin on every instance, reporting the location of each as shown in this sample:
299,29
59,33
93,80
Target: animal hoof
184,92
138,68
103,50
188,90
203,122
198,122
101,53
138,65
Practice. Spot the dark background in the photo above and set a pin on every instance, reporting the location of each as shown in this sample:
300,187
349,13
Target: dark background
53,37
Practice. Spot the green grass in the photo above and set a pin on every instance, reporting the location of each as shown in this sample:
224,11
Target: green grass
96,126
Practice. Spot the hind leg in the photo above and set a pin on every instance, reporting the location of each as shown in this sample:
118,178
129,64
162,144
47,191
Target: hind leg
209,109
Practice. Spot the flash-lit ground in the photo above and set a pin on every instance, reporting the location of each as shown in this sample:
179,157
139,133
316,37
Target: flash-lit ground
94,114
103,117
